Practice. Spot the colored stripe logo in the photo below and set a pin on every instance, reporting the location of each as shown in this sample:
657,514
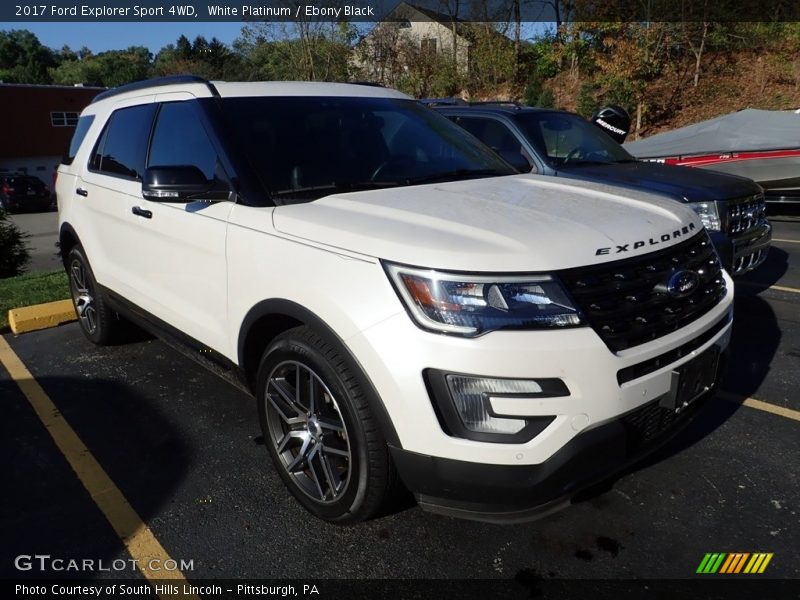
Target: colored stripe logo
734,563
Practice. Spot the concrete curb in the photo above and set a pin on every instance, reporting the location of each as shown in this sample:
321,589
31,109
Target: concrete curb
41,316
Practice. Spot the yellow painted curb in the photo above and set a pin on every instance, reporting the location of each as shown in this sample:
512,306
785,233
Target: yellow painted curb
41,316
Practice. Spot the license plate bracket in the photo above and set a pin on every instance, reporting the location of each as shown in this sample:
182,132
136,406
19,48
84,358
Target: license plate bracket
691,380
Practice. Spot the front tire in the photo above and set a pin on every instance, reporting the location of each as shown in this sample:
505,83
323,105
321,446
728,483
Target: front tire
319,429
97,321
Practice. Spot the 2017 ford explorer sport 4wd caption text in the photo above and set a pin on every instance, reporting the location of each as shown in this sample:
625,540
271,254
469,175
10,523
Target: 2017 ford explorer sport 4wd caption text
397,300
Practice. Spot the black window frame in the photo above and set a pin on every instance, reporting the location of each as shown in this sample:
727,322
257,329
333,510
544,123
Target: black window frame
102,139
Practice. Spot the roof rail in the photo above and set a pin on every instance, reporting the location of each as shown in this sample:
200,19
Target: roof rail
443,101
509,103
365,82
157,82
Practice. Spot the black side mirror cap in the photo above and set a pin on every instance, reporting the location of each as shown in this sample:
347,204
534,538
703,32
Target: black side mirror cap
181,183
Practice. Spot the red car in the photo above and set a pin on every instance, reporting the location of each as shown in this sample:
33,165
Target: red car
19,192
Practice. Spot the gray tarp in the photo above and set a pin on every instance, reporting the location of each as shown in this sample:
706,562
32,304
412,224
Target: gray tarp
746,130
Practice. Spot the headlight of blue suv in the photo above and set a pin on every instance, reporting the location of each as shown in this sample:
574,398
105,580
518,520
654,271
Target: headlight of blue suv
708,213
470,305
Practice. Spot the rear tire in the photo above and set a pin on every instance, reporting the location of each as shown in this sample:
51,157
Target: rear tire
320,431
98,322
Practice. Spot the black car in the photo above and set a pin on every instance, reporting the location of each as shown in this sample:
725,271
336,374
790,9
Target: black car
563,144
19,192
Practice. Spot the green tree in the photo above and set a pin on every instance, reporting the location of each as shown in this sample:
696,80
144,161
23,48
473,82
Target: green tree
23,59
14,254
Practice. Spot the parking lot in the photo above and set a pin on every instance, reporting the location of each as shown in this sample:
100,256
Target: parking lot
184,450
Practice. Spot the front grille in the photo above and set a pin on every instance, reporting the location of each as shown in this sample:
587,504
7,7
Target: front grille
745,213
626,301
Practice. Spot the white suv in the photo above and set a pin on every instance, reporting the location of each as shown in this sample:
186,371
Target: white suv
397,300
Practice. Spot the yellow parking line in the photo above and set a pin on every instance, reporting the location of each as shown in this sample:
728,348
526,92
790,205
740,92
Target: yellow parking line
780,288
774,409
134,533
786,241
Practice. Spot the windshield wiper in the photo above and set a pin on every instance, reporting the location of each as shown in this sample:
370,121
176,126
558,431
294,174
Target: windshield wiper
456,175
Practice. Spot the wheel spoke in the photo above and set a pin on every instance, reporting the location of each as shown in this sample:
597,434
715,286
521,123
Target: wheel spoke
288,437
287,395
77,277
329,476
290,421
337,451
302,455
315,454
312,390
90,320
331,424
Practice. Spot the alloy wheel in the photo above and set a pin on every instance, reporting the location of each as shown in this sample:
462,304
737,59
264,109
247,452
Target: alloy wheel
307,431
83,296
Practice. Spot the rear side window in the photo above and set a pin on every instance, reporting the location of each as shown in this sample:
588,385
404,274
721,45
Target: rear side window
180,139
77,138
492,133
122,147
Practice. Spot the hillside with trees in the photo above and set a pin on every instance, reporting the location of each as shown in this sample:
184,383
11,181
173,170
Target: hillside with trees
665,74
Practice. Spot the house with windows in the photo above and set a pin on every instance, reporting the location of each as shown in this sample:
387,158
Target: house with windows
408,35
38,123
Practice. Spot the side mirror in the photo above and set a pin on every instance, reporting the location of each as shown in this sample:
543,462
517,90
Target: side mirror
180,183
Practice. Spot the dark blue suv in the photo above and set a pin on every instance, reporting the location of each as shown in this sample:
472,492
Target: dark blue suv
563,144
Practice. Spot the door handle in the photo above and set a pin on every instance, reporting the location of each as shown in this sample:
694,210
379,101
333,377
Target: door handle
82,192
141,212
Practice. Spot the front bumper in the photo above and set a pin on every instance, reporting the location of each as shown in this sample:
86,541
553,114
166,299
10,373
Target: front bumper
512,493
585,437
750,249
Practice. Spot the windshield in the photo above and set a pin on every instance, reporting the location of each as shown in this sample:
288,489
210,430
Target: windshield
304,148
568,140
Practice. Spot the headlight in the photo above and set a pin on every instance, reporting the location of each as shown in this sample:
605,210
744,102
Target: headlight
470,305
708,213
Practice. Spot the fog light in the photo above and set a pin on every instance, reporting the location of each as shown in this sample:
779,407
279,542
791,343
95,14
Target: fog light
471,398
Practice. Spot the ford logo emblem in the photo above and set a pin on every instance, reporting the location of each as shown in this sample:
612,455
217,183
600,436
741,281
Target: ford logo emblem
682,283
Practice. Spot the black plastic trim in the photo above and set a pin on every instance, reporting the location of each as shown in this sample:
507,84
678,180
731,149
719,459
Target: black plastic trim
451,423
211,359
283,307
643,368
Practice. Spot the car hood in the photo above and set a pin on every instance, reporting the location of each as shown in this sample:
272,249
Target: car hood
682,183
515,223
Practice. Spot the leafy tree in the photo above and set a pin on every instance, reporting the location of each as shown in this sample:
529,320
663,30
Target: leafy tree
14,254
306,50
23,59
209,59
110,69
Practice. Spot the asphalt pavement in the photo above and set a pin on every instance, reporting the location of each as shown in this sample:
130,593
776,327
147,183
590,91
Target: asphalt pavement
184,448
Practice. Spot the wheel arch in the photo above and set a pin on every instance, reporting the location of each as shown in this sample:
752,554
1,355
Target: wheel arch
269,318
67,240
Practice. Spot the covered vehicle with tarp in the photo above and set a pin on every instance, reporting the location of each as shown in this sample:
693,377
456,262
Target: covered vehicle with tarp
763,145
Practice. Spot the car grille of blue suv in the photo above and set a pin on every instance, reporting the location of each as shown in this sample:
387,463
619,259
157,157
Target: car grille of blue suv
745,213
626,302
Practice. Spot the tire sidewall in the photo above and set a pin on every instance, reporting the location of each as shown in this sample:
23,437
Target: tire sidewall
294,349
